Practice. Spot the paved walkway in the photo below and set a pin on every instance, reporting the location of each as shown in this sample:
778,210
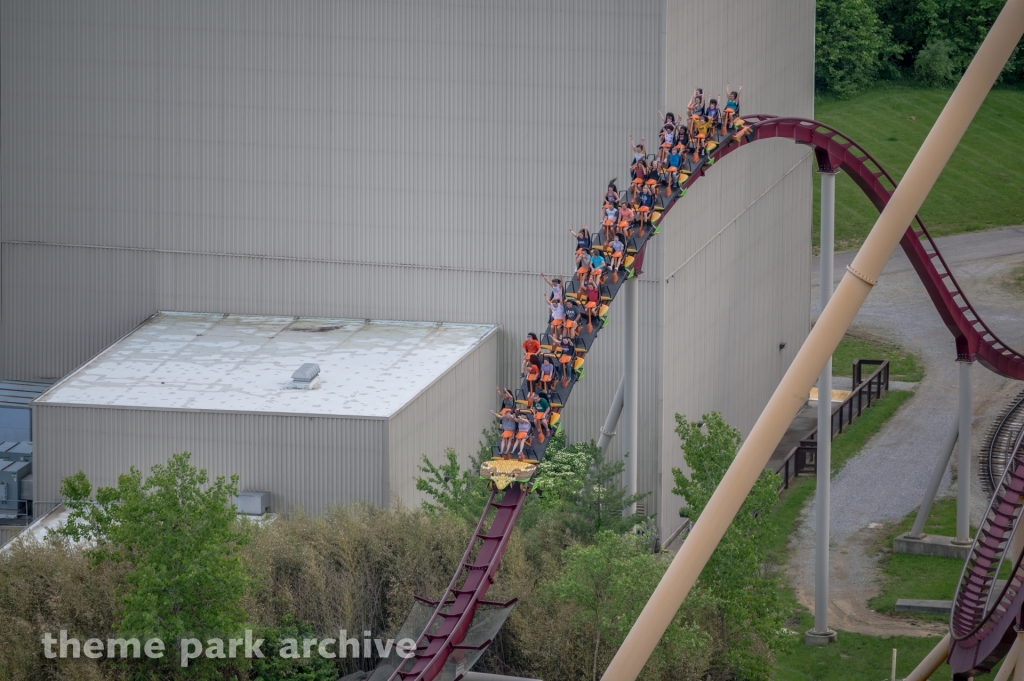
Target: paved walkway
887,479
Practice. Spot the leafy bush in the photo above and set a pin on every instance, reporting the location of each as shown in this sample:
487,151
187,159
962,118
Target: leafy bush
277,668
608,583
933,65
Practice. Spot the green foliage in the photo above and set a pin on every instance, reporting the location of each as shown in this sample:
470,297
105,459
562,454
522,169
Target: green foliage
934,64
574,483
912,576
609,582
584,489
182,542
932,41
746,592
910,23
462,493
849,46
274,667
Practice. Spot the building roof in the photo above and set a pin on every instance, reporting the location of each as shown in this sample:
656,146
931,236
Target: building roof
224,362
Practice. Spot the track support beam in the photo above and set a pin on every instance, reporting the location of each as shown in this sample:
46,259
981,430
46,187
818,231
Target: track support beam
822,634
963,484
631,393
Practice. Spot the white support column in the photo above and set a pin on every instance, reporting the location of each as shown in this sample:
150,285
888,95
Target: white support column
631,393
821,634
963,482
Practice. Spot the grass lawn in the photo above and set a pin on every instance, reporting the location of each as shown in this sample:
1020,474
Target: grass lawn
867,658
980,187
931,577
854,657
903,365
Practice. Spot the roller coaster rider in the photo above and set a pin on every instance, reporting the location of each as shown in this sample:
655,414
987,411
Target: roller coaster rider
626,216
713,113
541,413
611,194
508,400
732,108
556,287
557,316
572,318
523,430
508,429
566,354
695,109
639,152
531,346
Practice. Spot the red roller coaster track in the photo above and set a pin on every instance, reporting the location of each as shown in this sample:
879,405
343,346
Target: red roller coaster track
974,340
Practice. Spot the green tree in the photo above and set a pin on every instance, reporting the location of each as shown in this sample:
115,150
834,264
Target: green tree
573,483
934,65
453,490
601,500
927,33
747,593
609,582
850,44
181,540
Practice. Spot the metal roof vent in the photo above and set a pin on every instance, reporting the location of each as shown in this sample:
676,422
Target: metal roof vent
305,375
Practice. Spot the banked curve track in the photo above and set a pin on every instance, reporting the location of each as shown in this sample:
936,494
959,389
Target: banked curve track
443,635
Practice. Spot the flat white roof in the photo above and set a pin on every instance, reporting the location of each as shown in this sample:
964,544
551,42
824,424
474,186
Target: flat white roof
221,362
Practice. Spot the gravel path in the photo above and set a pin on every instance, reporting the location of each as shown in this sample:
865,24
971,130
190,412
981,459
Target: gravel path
887,479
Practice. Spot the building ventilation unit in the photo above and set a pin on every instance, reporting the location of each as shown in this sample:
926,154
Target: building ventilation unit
305,375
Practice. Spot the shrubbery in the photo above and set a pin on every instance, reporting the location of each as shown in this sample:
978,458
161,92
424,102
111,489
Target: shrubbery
581,572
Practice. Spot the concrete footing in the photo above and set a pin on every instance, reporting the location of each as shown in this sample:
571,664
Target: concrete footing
931,545
923,605
816,638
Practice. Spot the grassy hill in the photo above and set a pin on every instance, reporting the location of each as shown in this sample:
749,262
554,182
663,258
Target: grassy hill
981,186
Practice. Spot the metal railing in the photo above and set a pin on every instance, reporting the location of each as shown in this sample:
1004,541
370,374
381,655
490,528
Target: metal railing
802,458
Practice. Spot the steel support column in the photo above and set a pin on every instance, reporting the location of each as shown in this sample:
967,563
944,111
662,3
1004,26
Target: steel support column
963,483
822,634
631,388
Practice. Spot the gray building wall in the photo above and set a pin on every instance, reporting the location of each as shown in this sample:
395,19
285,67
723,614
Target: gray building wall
450,413
735,253
305,461
397,160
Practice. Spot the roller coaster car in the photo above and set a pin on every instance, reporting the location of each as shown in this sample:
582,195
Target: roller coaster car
632,247
548,346
571,290
577,363
500,473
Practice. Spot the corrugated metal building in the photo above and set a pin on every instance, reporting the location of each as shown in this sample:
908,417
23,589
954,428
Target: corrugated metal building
220,386
406,159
